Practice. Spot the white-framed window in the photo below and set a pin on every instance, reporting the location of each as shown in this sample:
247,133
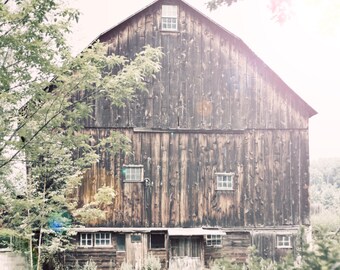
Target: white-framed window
102,239
225,181
283,241
214,240
133,173
169,17
86,240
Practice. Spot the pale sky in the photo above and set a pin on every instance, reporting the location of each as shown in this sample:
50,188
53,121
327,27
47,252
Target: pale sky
304,52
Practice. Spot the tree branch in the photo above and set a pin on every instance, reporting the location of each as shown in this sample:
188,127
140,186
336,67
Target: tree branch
44,126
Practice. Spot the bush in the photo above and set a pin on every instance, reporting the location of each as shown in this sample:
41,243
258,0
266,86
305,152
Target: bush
224,264
152,263
126,266
90,265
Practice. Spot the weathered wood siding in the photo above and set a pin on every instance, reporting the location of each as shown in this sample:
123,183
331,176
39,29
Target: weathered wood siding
209,80
214,107
235,247
103,257
265,243
271,179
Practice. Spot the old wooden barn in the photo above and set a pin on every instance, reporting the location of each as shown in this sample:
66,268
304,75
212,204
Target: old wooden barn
220,151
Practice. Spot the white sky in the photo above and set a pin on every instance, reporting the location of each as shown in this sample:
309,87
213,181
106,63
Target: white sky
304,52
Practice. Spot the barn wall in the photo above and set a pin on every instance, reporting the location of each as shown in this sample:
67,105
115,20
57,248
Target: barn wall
271,179
235,247
105,258
265,243
209,80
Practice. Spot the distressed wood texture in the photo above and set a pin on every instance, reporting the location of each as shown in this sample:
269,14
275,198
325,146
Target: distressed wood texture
235,247
265,243
103,257
270,182
209,79
214,107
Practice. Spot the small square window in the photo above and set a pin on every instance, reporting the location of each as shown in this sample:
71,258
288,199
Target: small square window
169,17
86,239
225,181
214,240
157,240
133,173
136,238
120,242
283,241
102,239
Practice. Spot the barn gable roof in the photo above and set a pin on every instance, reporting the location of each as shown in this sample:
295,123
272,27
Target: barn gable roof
305,106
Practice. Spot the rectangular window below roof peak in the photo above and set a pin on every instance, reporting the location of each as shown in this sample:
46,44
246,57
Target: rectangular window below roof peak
169,20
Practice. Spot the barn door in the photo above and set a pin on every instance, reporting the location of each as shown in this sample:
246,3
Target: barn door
136,249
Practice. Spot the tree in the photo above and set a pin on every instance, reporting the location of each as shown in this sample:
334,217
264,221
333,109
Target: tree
41,123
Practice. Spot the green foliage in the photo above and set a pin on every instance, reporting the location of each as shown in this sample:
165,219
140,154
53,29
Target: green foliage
152,263
325,171
90,265
126,266
42,123
258,263
324,253
225,264
94,210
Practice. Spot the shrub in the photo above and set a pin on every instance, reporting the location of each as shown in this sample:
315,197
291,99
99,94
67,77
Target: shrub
126,266
224,264
90,265
152,263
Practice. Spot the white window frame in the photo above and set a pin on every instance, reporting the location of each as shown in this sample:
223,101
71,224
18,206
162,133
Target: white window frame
133,173
225,181
104,239
84,237
214,240
169,20
9,244
283,241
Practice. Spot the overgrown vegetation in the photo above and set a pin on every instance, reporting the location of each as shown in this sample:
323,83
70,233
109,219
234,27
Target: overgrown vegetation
150,263
323,253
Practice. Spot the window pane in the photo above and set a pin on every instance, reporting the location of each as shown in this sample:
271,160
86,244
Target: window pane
214,240
169,11
102,239
133,173
136,238
157,240
224,182
121,242
169,17
195,248
283,241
